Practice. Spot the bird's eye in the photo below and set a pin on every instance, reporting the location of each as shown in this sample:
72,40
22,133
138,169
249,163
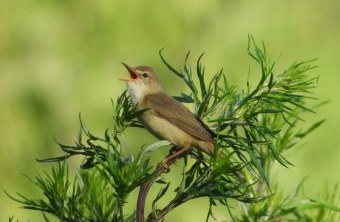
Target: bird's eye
145,75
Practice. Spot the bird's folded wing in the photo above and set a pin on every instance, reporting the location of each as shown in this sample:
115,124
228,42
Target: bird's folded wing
171,110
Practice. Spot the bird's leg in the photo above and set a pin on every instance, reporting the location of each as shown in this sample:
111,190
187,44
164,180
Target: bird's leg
164,163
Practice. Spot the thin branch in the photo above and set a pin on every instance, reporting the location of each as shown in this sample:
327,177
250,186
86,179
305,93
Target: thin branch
144,189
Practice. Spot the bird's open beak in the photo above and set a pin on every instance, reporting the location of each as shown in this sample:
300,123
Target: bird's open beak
132,71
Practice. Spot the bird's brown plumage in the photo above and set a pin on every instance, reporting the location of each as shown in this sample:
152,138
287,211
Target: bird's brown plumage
173,109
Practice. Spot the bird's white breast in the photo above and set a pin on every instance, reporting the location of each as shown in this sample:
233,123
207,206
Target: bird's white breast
136,90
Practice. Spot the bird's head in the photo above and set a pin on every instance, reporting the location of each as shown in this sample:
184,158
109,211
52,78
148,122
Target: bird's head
143,81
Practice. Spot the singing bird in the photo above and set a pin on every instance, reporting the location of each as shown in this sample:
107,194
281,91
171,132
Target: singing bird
165,117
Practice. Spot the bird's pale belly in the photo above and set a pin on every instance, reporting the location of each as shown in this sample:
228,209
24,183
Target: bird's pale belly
163,129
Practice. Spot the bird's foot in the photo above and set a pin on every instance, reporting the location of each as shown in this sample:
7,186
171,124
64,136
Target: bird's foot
163,165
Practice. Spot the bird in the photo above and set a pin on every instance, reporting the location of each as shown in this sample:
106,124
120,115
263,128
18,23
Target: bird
164,116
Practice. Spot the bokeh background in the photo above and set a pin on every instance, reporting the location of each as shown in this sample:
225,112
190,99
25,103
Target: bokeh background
58,58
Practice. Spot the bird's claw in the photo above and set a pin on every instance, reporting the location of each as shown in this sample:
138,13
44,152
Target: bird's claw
163,165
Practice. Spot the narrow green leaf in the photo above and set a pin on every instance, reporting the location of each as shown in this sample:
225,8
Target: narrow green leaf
159,196
169,66
86,130
153,147
310,129
200,74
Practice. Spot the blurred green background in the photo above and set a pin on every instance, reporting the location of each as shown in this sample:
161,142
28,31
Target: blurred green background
58,58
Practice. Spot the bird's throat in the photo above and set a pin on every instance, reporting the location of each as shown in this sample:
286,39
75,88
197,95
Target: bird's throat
137,91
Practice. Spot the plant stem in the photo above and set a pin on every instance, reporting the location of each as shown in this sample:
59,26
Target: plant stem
163,212
120,202
126,145
144,189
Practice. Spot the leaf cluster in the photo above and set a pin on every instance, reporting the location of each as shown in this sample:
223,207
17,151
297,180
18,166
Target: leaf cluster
71,200
106,167
254,127
294,207
258,123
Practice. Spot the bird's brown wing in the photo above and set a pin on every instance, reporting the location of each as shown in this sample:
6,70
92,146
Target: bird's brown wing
171,110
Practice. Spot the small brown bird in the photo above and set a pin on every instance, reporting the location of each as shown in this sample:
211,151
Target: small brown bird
165,117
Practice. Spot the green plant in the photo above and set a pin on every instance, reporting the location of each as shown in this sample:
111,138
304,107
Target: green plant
254,128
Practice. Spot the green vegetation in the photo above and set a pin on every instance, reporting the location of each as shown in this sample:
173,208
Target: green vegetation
255,127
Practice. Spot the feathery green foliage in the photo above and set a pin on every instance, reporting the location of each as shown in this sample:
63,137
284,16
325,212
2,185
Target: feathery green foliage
254,128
